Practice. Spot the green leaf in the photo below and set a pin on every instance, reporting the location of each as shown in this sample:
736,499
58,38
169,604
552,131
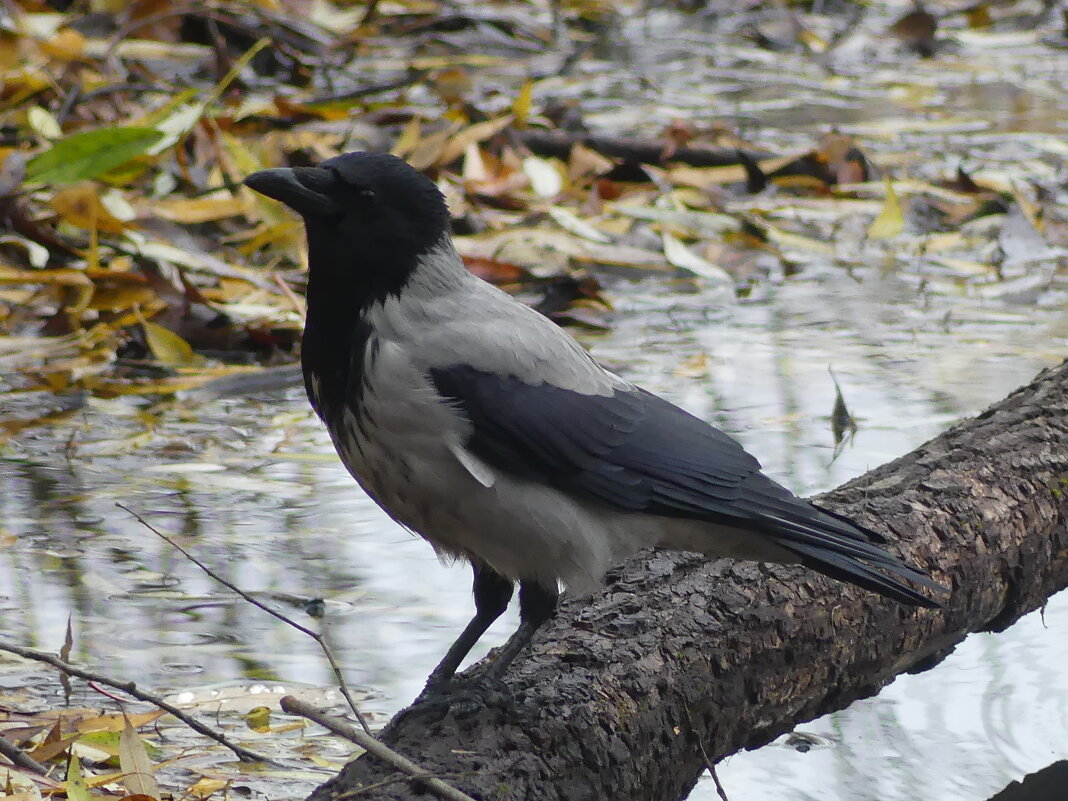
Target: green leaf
77,790
89,154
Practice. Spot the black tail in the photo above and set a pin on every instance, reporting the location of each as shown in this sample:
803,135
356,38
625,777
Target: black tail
836,550
838,547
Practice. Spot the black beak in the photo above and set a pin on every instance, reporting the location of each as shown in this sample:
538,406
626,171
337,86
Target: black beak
306,190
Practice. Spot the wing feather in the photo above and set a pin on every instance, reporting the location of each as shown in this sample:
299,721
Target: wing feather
636,452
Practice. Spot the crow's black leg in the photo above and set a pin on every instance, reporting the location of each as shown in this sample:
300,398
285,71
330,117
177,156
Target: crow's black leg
537,603
492,593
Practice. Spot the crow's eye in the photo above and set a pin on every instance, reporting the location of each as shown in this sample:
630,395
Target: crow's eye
368,196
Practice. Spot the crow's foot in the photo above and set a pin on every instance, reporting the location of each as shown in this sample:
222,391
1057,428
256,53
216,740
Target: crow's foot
461,698
479,694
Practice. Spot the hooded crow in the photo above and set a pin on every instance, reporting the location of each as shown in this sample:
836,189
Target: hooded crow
481,426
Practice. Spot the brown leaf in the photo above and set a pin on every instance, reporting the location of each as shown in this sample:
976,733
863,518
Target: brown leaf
916,30
496,272
79,204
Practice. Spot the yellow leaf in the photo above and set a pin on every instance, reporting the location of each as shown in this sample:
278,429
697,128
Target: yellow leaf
80,206
167,346
136,766
116,722
108,388
205,788
681,256
62,277
704,177
523,103
479,132
409,138
124,296
891,220
259,719
812,41
1030,209
66,45
43,123
429,149
190,211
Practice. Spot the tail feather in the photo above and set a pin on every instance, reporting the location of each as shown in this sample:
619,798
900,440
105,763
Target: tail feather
845,568
839,555
836,546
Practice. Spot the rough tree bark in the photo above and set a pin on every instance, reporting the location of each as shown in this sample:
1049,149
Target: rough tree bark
680,657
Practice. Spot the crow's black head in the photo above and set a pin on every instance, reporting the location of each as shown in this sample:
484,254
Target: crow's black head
369,216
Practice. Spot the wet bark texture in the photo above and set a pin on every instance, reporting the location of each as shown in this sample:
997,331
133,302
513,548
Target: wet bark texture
679,658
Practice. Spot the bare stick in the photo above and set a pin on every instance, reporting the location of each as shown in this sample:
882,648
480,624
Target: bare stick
130,688
709,764
20,759
260,605
373,747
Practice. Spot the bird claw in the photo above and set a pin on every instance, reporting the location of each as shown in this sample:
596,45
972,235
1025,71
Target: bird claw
479,694
462,699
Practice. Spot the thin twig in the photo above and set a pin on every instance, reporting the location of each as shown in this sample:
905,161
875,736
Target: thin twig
715,778
711,768
260,605
20,759
130,688
374,747
95,688
291,296
697,727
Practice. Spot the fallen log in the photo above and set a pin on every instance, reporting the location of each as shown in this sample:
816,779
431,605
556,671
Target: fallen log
681,661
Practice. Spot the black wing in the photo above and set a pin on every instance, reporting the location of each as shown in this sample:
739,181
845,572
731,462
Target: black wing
636,452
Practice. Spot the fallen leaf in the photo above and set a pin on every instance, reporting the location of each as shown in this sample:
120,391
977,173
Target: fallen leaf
523,102
681,256
136,766
479,132
89,154
80,206
167,346
77,790
891,220
545,178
